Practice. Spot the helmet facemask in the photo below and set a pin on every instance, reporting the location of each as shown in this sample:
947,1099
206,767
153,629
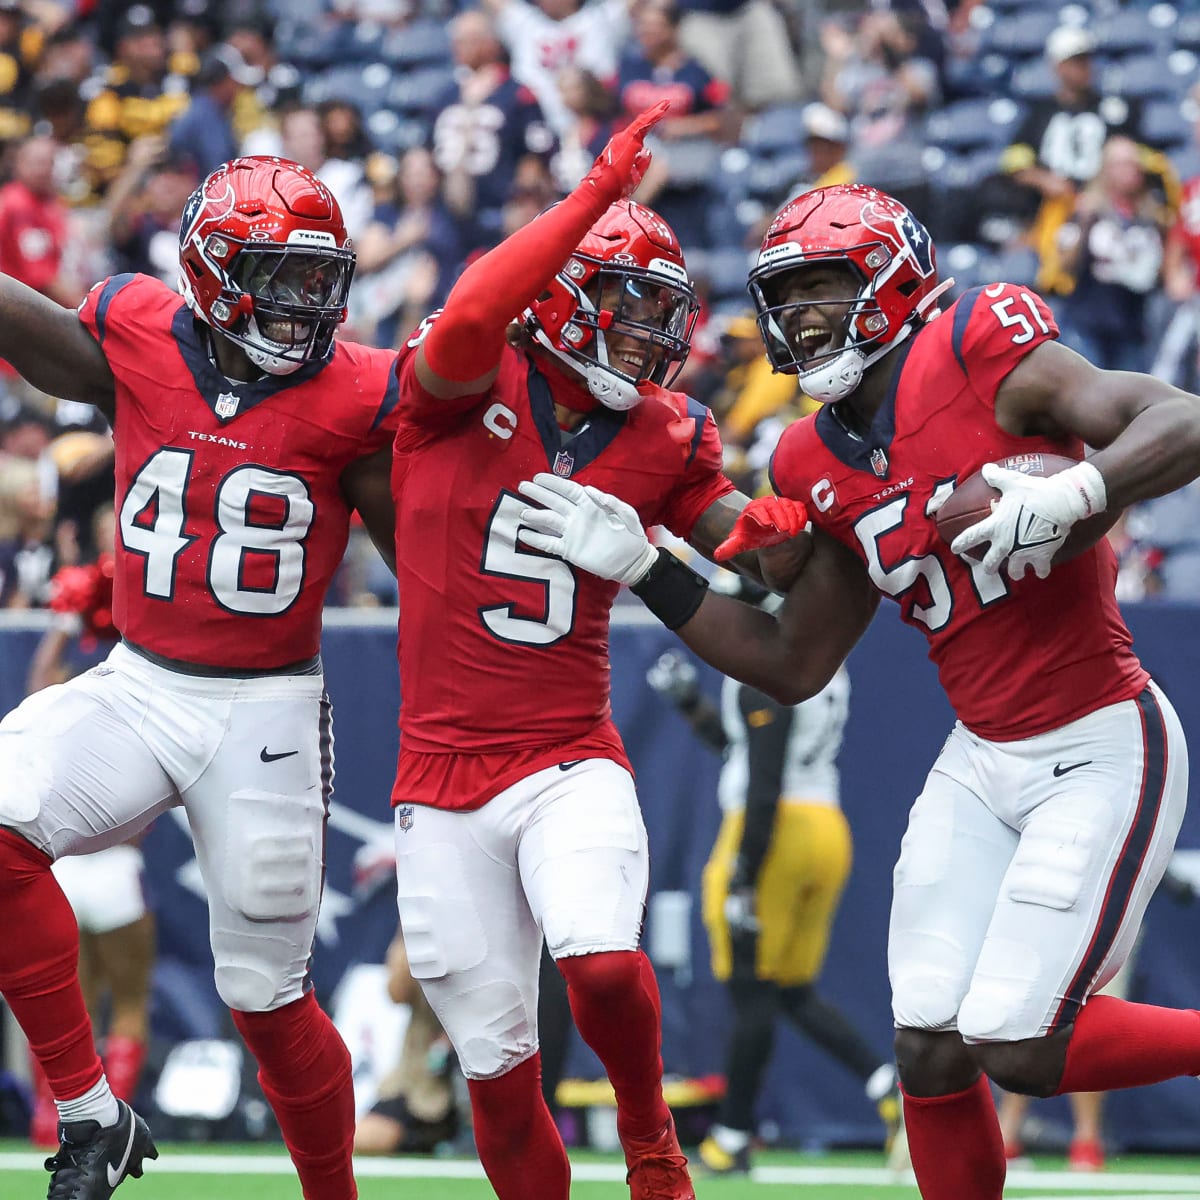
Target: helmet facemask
284,303
631,326
829,361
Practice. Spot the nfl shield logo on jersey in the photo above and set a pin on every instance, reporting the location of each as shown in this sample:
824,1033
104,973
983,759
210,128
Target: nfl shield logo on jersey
227,404
564,464
879,461
404,817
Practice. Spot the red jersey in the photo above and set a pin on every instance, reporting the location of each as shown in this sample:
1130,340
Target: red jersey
1015,659
231,520
504,664
1186,229
33,232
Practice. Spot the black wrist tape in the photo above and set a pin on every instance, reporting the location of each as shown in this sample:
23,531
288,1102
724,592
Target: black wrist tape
671,590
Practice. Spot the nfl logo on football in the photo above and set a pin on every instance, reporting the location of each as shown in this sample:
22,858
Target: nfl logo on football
564,464
227,404
404,817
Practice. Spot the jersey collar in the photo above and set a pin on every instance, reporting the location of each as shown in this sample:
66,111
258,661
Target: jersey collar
230,398
566,452
871,452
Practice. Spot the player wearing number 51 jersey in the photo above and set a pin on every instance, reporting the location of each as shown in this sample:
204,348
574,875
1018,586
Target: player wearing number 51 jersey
1047,820
245,436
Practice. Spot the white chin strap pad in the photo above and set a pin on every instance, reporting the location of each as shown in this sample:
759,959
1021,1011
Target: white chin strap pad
614,393
834,379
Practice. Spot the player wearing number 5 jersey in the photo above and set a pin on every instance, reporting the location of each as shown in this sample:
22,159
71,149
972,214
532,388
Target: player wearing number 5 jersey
1047,820
517,815
245,436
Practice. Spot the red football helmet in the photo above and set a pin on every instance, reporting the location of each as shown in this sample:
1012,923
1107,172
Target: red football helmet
622,309
264,258
889,253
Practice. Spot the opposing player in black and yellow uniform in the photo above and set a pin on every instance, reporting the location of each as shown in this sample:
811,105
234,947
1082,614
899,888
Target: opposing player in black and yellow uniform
772,886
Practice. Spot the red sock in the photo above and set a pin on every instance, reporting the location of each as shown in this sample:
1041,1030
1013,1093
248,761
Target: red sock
516,1138
614,999
39,969
955,1144
43,1124
304,1069
123,1059
1116,1044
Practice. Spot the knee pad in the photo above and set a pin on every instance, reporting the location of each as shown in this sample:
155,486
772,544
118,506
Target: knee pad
492,1028
24,777
611,972
1000,1002
925,997
273,863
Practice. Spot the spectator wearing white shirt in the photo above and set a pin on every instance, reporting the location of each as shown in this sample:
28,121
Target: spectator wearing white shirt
546,37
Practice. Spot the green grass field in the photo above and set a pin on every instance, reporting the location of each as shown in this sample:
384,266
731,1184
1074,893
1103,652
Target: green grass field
252,1173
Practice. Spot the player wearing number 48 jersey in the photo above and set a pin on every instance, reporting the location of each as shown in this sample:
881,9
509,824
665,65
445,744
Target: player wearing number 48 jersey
1048,818
517,813
244,438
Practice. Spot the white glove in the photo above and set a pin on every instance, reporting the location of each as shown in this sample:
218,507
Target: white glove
1033,516
588,527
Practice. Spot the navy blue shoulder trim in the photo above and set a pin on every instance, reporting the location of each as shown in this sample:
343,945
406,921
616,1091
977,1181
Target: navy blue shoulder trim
391,397
700,413
111,288
962,316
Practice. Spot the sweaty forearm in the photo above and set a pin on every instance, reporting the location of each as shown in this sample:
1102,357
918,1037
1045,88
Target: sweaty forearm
467,339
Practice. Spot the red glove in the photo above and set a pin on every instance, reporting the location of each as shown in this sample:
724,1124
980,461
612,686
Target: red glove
72,589
767,521
622,163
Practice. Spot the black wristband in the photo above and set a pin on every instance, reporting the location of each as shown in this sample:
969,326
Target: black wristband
671,590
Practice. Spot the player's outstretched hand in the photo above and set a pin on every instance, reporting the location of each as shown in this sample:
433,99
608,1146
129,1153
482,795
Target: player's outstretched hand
621,164
588,527
767,521
674,677
1033,516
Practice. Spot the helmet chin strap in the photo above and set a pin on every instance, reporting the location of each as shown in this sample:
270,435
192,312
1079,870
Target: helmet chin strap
837,378
614,393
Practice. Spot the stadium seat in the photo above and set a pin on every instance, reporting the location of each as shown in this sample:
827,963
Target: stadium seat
770,179
420,90
1021,36
1034,80
1164,125
690,162
774,130
394,135
969,124
1133,31
1139,77
423,43
364,86
725,270
1186,33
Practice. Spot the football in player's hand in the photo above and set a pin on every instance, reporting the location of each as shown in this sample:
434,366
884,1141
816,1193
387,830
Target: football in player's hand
971,501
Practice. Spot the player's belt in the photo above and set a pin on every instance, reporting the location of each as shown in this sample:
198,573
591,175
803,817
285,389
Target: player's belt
306,666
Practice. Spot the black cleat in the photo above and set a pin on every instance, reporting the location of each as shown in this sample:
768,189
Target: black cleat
91,1161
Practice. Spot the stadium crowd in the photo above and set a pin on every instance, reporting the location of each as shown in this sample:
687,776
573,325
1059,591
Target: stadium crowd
1050,146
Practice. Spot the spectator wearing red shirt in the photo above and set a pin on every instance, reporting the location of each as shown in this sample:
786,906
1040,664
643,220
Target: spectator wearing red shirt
33,224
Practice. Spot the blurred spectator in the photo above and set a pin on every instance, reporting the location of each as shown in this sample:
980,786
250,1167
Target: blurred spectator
21,45
659,69
591,107
137,96
415,1111
877,79
1058,148
750,391
192,29
33,224
26,516
826,136
548,37
302,138
409,254
203,135
144,203
251,33
746,44
487,125
345,133
1177,359
68,54
1163,551
1112,250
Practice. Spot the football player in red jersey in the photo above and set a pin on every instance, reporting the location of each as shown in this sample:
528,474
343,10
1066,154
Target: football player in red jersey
1047,820
517,815
245,435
